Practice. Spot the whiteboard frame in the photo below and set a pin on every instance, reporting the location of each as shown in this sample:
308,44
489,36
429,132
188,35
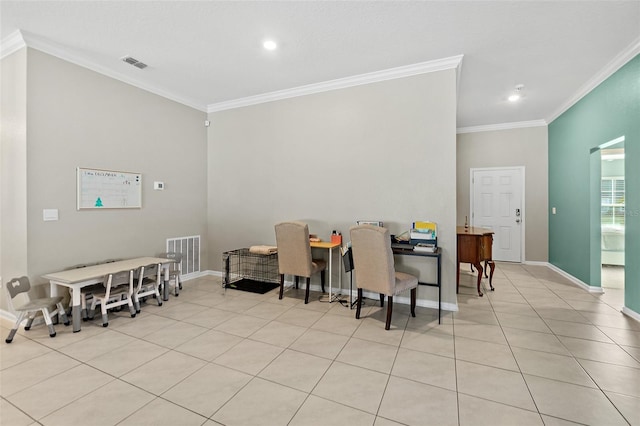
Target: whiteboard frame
79,171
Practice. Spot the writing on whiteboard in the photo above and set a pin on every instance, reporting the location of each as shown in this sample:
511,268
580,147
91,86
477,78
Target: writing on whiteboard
107,189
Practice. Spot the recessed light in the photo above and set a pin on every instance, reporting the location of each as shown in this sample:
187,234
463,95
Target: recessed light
270,45
516,94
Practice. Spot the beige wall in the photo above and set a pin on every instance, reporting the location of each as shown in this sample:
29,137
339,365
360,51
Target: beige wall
503,148
383,151
79,118
13,167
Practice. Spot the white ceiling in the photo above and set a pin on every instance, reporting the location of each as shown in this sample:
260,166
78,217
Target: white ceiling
206,54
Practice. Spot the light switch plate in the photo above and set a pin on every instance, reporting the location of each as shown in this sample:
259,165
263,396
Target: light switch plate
159,186
49,214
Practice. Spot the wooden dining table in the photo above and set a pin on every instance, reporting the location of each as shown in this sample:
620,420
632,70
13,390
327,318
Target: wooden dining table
77,278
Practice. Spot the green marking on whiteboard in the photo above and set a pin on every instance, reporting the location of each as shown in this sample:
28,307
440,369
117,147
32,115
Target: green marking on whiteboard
99,203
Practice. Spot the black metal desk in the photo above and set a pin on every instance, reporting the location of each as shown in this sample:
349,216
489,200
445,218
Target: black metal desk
438,256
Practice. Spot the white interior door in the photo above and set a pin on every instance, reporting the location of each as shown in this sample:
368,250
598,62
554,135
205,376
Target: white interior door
497,203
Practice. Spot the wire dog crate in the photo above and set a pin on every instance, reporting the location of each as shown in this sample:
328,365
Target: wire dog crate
243,270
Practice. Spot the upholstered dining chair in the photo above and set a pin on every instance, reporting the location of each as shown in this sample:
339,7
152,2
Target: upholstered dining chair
294,255
375,271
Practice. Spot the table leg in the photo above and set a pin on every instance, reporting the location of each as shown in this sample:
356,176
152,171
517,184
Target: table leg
76,309
479,268
330,274
492,266
439,289
339,270
165,287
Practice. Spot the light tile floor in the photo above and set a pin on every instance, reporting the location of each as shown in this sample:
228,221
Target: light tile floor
536,351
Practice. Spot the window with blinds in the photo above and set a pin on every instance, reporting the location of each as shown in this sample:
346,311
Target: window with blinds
612,200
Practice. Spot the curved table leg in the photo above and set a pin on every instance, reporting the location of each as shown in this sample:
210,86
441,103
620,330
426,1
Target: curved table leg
492,265
479,268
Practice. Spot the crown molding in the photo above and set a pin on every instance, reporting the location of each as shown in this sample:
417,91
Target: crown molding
19,39
341,83
621,59
11,44
501,126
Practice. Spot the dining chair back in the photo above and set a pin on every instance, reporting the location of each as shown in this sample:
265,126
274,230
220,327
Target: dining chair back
294,255
375,271
147,283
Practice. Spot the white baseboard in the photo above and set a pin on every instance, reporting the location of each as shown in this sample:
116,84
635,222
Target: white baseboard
574,280
194,275
630,313
424,303
535,263
7,318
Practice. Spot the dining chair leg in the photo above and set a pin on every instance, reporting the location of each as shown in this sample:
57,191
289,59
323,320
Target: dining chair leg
12,333
359,303
297,281
389,311
322,279
281,285
47,320
132,309
63,314
414,292
381,300
105,317
92,309
306,293
30,319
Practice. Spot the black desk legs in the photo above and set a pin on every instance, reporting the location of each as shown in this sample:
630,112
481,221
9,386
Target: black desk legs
439,289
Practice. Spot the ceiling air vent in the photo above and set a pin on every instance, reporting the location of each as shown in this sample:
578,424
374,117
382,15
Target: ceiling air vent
133,61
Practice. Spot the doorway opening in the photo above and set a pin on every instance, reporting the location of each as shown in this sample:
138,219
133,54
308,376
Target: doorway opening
612,214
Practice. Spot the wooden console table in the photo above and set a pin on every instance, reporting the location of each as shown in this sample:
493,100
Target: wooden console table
474,247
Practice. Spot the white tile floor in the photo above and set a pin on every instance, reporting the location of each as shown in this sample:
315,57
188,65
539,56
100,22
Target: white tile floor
536,351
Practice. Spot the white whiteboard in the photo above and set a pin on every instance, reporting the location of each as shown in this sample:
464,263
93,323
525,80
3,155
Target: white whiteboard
108,189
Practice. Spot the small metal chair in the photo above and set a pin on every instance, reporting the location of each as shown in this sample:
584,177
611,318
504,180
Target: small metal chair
175,270
117,291
31,308
147,283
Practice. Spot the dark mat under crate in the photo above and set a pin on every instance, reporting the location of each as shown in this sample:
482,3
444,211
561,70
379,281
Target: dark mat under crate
252,286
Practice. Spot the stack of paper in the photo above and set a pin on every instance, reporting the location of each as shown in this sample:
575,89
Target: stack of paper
426,248
424,232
